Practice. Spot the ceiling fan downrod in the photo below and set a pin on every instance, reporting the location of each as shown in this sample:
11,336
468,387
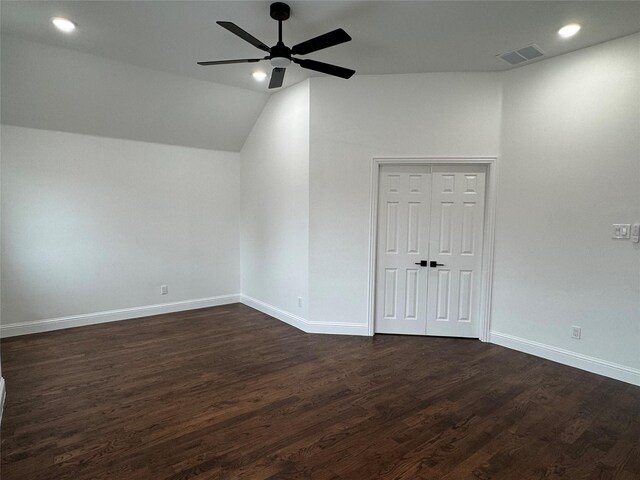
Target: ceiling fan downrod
280,54
280,12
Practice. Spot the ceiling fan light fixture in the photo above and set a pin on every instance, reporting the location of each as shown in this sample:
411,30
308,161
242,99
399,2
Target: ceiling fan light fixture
259,75
280,62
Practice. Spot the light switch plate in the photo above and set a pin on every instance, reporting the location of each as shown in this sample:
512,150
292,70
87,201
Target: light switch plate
621,230
635,233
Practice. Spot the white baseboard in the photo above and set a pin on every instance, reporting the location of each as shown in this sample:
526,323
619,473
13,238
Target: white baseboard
338,328
286,317
3,395
567,357
334,328
37,326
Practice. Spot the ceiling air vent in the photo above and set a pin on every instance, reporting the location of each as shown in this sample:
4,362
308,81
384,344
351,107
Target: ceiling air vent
521,55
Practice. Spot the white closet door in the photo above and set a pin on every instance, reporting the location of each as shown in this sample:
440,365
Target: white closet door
457,224
403,240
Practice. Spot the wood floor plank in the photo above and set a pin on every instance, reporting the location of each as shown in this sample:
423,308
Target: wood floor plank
228,392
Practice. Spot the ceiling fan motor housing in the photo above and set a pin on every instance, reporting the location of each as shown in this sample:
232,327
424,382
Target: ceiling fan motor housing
280,11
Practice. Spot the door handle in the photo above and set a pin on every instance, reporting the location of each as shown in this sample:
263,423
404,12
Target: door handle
432,263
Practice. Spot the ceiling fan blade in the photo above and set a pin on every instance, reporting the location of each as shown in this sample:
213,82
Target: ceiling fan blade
224,62
323,41
277,76
233,28
334,70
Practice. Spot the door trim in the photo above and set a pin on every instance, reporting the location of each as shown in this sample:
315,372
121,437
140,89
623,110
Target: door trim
486,276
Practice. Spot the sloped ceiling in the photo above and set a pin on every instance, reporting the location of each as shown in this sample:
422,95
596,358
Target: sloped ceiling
59,89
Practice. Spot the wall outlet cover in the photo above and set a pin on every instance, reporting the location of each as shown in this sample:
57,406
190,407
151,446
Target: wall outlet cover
576,332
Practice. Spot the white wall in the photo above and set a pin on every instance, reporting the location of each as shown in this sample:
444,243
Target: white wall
91,224
570,168
353,121
275,203
63,90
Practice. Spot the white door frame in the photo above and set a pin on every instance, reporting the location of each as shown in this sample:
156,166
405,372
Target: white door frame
486,277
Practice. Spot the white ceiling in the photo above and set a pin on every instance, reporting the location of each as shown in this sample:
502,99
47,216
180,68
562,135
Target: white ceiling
388,36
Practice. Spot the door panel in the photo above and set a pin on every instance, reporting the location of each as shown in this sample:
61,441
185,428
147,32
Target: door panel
457,222
403,240
443,290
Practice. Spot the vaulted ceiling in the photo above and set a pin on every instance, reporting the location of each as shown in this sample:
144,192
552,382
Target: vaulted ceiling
389,37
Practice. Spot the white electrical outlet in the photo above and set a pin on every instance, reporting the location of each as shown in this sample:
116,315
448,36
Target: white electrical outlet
164,289
299,302
576,332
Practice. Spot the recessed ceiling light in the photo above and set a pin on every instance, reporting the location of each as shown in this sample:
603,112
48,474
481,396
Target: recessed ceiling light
569,30
63,24
259,76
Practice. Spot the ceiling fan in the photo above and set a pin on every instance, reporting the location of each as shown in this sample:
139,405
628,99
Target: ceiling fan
280,56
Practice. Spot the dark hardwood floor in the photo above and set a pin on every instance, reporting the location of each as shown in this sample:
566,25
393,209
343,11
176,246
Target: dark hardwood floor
229,392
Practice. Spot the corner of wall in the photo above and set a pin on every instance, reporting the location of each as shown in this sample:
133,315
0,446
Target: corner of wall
274,181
